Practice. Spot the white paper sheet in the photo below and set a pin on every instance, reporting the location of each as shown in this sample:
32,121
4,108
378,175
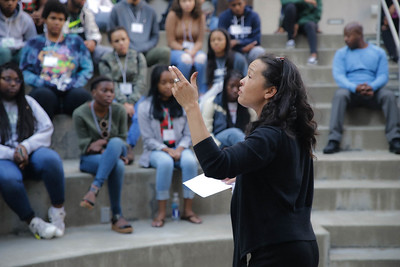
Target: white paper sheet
205,186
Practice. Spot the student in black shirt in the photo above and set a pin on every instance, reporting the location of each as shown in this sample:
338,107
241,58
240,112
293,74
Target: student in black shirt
272,198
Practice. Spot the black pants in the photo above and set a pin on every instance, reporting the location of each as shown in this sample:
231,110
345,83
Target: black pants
54,102
310,28
291,254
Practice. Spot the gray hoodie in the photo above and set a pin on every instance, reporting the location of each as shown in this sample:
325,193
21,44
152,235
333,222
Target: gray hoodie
19,26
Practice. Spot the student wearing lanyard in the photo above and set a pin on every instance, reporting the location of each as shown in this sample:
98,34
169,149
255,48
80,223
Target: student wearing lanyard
16,27
57,66
101,129
140,20
126,67
244,27
220,60
185,28
81,21
166,142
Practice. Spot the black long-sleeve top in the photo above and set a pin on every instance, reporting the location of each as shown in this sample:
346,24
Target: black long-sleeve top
273,194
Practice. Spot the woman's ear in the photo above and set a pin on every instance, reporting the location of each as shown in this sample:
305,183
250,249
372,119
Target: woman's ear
270,92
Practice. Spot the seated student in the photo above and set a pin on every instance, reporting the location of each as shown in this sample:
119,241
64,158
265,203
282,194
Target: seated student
57,66
16,27
102,11
35,9
244,27
224,117
305,16
220,60
25,137
387,36
101,129
361,71
81,21
185,29
126,67
140,20
166,142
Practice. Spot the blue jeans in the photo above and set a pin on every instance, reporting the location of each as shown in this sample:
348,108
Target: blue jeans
108,166
185,63
44,164
164,164
230,136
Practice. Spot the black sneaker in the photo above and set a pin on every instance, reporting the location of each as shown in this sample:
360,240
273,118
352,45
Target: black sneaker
394,146
332,147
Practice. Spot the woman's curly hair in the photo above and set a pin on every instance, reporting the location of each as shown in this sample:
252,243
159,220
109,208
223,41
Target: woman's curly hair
288,108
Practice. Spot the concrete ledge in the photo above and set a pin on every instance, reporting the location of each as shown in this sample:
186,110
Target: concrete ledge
357,257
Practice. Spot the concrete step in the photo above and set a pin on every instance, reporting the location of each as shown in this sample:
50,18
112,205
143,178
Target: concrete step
356,138
177,244
356,195
354,117
357,165
364,257
325,41
299,56
367,229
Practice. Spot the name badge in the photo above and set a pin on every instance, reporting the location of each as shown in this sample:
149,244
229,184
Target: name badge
235,29
168,135
8,42
137,27
50,61
125,88
188,45
219,72
26,1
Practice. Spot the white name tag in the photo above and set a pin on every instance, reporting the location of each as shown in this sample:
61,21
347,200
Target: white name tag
235,29
137,27
125,88
168,135
8,42
50,61
219,72
26,1
188,45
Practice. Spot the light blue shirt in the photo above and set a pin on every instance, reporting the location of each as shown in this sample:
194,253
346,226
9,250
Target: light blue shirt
364,65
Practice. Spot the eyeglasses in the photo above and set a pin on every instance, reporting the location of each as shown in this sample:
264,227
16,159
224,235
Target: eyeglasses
9,80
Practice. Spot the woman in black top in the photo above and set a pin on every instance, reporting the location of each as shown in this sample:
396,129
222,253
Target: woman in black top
272,199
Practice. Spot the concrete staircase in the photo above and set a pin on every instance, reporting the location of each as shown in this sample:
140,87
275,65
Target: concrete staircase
356,213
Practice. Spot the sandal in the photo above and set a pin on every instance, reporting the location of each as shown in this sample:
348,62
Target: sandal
158,223
120,225
89,199
192,218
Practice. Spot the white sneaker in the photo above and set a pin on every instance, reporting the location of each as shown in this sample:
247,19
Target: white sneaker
42,229
56,218
312,61
290,44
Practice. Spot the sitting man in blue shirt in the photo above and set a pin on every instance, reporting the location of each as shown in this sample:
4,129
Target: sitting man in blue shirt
361,70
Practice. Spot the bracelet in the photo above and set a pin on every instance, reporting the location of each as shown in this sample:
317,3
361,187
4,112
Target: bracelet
183,49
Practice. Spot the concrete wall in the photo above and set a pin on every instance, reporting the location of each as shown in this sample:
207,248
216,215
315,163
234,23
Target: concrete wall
337,10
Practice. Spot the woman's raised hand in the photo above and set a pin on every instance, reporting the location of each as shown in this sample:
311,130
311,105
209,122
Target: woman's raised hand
184,92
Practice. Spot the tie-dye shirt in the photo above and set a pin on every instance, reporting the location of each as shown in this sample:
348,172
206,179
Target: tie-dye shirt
73,65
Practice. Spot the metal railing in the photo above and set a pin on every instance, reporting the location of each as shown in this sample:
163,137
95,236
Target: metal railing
395,34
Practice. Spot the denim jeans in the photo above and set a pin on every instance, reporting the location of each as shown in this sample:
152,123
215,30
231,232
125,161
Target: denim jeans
164,164
108,166
44,164
230,136
184,63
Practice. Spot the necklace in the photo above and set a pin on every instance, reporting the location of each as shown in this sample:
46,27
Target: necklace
104,126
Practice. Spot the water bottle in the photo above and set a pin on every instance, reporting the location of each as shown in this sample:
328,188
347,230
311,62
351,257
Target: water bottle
175,207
